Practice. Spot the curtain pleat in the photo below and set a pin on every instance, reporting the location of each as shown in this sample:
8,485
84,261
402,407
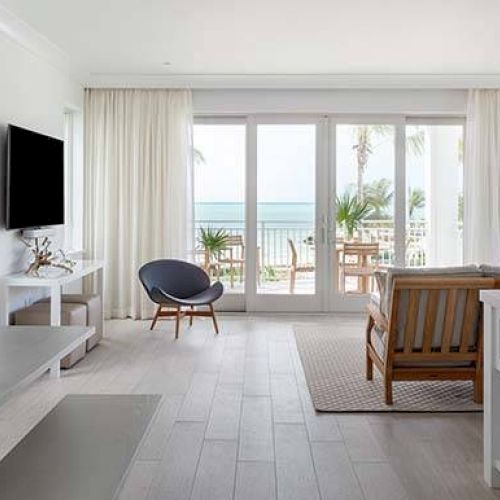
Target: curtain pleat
482,178
137,187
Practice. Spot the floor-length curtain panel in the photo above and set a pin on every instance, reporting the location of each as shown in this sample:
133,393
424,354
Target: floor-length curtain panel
137,187
482,178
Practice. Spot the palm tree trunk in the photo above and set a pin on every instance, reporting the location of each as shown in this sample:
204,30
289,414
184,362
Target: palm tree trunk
362,157
360,194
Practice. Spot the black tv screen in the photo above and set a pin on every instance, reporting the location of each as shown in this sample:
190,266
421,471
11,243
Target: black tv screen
34,179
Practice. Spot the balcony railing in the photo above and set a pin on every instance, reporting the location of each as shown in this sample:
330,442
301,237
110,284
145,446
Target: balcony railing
273,236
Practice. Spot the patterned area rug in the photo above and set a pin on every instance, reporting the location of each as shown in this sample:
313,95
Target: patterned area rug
334,367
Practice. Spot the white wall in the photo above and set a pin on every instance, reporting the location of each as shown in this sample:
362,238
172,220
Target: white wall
33,94
409,102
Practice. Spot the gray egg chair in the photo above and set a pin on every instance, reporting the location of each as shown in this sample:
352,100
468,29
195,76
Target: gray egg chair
182,286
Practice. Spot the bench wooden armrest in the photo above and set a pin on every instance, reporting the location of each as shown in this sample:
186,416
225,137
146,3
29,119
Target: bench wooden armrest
379,319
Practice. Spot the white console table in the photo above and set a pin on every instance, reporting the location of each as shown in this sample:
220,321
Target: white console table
54,281
491,431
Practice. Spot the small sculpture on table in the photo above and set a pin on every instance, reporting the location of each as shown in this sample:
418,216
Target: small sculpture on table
43,257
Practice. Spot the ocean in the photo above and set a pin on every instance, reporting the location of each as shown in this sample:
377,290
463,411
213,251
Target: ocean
272,214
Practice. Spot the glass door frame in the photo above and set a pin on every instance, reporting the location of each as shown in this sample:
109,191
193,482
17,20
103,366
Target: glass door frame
444,121
327,297
263,302
334,300
229,301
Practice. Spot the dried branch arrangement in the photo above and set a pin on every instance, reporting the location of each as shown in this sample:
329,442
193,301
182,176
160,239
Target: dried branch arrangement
44,257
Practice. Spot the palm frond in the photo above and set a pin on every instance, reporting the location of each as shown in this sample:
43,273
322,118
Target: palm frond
379,195
415,141
213,241
416,200
198,157
351,212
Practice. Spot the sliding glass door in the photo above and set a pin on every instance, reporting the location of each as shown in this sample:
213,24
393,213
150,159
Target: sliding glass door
284,210
366,227
296,213
364,203
434,192
219,228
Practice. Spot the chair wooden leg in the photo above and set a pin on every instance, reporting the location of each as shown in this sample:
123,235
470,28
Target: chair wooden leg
388,388
177,322
293,274
478,386
155,317
369,362
369,367
212,312
191,317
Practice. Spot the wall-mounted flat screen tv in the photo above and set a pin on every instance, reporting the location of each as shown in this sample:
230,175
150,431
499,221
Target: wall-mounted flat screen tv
34,179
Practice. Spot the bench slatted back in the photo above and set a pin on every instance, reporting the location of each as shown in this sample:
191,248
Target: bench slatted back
436,318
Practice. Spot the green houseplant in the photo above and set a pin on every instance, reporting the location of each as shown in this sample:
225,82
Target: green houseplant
350,212
212,241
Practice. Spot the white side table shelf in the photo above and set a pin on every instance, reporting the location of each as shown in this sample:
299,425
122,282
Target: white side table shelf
54,282
26,352
491,431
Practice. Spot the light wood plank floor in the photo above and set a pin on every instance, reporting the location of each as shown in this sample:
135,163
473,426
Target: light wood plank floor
236,420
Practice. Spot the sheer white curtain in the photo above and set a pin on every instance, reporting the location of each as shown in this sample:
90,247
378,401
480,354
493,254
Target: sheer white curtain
137,187
482,178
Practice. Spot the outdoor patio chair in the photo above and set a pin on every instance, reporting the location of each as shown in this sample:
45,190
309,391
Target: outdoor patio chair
359,260
297,267
234,256
178,284
427,327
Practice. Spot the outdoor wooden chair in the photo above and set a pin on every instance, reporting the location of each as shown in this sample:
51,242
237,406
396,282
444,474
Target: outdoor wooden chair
297,267
432,330
359,260
233,256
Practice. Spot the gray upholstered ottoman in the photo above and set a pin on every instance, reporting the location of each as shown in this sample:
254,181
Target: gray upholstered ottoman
71,315
93,305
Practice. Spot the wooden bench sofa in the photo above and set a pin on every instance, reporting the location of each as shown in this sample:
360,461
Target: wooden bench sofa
427,325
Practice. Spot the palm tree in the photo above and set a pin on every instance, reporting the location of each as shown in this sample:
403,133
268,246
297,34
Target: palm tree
364,146
460,207
416,200
379,194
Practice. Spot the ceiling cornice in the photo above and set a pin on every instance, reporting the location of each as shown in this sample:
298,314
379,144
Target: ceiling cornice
21,33
292,81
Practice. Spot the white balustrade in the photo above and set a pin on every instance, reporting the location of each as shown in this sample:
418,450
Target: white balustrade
274,251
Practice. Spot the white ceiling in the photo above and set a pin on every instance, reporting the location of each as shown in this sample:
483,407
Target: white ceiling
134,37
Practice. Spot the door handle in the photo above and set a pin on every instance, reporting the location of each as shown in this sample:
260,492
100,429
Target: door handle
323,235
324,230
332,236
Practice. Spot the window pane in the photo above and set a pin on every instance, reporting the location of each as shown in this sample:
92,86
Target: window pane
286,179
434,176
365,204
219,196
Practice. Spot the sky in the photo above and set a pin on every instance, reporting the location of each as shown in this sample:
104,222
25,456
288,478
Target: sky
286,162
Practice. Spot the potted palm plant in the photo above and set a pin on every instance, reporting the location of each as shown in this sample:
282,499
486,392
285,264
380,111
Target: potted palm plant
213,242
350,213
